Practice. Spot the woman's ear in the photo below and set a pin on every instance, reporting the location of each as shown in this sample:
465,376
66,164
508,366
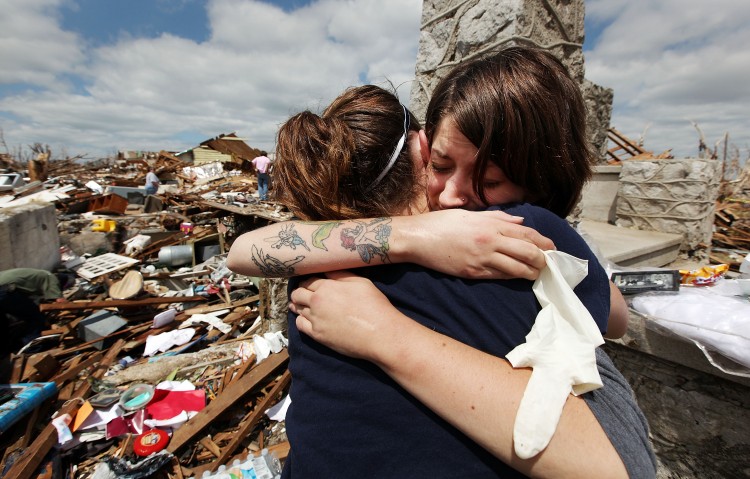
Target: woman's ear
424,148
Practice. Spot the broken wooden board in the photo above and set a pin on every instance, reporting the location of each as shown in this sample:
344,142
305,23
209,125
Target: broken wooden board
233,393
117,303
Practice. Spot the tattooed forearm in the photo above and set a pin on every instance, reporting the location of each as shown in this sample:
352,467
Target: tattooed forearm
288,236
322,233
369,239
272,267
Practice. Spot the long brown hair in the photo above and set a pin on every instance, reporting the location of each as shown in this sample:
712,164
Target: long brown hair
524,112
326,165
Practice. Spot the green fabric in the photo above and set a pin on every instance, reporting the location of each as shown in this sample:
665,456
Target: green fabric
37,283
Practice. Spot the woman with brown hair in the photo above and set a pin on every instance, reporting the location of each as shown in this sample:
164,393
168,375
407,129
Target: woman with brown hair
362,409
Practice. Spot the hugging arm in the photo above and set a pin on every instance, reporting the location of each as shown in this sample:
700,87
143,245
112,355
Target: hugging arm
478,245
619,316
476,392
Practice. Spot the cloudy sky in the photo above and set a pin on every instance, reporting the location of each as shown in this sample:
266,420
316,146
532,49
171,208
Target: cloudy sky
91,77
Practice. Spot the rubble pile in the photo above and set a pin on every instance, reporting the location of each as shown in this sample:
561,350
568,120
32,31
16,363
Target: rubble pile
159,361
155,335
731,237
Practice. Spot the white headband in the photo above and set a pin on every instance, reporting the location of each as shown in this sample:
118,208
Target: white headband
395,153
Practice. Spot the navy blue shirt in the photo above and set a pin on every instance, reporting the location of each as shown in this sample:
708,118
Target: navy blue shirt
348,419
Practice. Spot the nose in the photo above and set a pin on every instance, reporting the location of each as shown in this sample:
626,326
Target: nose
456,194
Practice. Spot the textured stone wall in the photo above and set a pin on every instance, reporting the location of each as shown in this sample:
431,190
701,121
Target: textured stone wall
457,30
699,422
599,108
671,196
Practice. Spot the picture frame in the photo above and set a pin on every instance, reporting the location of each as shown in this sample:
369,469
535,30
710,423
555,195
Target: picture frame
633,282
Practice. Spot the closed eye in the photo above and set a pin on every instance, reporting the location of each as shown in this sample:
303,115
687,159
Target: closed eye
439,169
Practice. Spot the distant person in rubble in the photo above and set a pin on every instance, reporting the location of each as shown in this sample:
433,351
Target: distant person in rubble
21,291
152,182
261,164
354,155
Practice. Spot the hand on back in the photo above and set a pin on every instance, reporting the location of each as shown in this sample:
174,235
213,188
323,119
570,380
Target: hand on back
327,313
477,245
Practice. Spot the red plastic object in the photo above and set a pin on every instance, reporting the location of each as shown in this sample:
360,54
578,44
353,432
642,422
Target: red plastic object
150,442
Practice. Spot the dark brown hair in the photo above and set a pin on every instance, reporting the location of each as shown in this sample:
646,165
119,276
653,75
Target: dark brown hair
326,165
524,112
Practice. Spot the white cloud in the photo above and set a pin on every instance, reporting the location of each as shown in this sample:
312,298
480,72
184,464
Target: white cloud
671,62
33,48
259,66
668,61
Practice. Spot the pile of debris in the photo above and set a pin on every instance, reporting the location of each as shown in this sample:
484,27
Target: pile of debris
730,239
733,215
158,361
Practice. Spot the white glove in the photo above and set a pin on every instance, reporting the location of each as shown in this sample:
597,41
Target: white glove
561,350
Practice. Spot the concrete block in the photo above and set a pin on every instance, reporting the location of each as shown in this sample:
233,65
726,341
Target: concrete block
29,237
599,196
98,325
631,247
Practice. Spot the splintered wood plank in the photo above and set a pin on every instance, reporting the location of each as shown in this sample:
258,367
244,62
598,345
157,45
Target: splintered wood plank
117,303
260,409
19,363
219,307
210,446
72,371
247,425
233,393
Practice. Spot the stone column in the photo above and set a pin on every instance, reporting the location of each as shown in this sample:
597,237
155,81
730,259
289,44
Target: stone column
457,30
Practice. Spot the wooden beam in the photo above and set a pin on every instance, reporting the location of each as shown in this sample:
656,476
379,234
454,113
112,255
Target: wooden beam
250,210
72,371
260,409
219,307
116,303
246,426
231,395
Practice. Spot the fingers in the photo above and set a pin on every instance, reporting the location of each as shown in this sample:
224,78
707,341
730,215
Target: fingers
512,226
541,242
301,295
342,275
511,268
533,257
312,283
505,216
304,325
526,234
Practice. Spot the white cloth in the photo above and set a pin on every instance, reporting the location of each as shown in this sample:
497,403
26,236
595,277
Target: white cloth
717,318
561,350
159,343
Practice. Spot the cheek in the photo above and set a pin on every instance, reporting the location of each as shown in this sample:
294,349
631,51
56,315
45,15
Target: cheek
434,188
434,185
507,194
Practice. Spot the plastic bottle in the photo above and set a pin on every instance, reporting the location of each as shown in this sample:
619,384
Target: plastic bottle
272,461
262,471
234,471
248,471
221,473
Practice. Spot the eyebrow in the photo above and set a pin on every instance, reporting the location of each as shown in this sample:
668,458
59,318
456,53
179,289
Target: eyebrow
439,153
